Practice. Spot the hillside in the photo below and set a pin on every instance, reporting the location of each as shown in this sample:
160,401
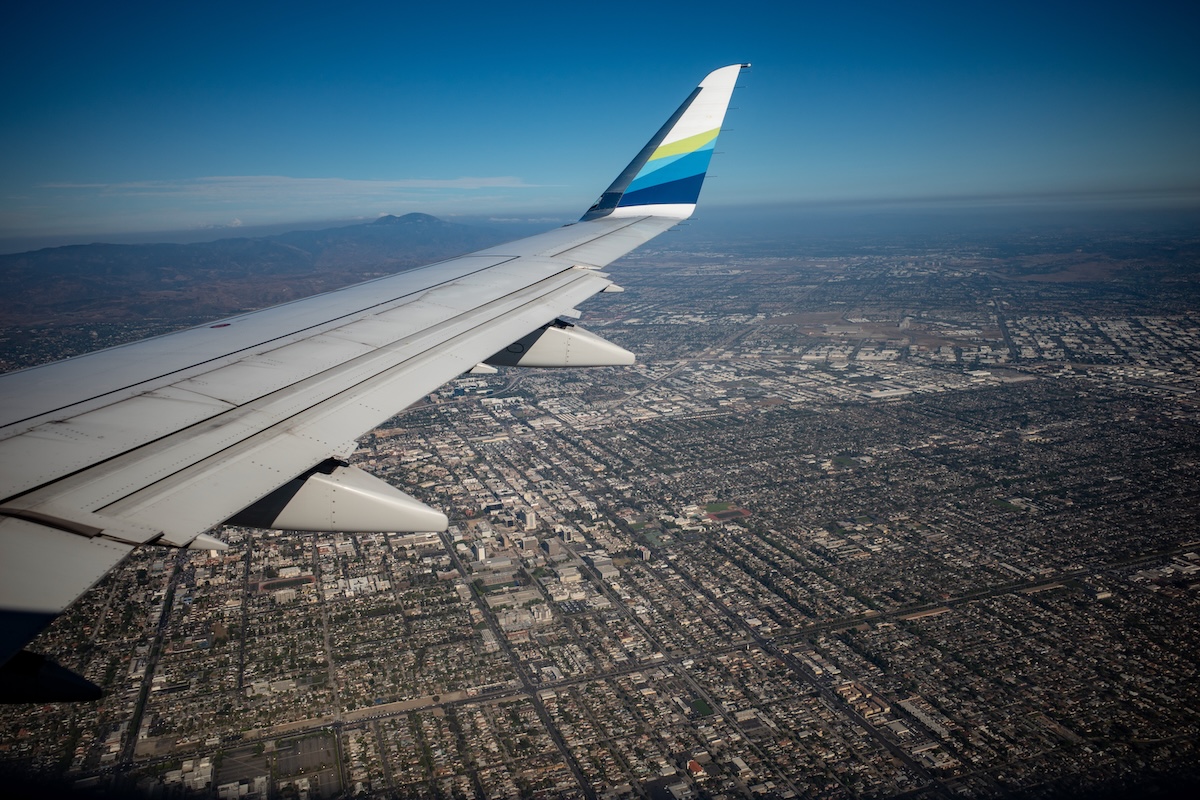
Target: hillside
83,284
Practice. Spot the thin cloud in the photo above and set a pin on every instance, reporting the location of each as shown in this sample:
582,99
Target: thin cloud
221,186
97,208
212,201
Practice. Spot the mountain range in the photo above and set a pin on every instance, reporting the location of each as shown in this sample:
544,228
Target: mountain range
105,282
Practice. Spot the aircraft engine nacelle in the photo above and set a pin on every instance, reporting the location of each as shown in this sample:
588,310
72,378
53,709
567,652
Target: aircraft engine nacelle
561,344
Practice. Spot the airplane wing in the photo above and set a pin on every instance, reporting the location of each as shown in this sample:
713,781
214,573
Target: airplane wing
249,420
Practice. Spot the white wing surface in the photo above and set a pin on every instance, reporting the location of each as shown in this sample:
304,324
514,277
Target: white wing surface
248,419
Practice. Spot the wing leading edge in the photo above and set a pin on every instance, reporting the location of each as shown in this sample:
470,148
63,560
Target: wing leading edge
250,419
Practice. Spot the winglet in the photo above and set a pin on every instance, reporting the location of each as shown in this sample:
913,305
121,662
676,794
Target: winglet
665,177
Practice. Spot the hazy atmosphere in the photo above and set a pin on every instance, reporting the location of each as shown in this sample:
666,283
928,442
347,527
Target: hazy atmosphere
876,478
161,117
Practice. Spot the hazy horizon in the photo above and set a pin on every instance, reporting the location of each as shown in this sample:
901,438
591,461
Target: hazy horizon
863,216
162,120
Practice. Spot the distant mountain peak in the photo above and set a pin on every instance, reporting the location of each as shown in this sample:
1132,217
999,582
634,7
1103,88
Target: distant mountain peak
218,278
414,218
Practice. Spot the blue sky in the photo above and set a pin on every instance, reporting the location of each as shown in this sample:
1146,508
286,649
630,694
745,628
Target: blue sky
144,117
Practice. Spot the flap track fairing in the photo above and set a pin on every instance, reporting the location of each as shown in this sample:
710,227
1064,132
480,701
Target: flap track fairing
562,344
338,497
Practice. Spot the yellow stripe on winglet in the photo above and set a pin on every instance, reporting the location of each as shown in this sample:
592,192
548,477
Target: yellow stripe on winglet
685,145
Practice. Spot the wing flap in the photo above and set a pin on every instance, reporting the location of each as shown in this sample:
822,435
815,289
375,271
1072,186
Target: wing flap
42,572
43,567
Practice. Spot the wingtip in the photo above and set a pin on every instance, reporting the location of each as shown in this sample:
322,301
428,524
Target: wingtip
665,178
